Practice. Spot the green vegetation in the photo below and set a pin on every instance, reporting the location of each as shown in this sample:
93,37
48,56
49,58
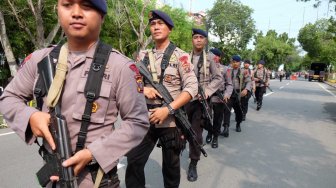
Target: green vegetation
126,28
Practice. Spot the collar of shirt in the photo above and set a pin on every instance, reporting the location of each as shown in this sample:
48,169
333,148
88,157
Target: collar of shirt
77,58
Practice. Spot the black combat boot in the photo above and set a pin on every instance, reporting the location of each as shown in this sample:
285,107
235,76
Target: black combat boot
208,138
192,171
238,129
225,132
214,142
258,106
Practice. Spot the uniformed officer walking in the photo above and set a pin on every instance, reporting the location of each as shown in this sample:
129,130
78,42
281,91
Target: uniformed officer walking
120,93
245,100
218,103
261,78
241,82
180,80
209,79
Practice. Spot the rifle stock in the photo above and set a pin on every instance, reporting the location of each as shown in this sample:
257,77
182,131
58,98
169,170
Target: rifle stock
179,114
60,134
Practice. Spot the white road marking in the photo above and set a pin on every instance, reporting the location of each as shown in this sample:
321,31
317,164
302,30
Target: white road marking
4,134
288,83
282,87
269,94
326,90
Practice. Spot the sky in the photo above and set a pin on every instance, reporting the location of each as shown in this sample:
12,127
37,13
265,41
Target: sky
280,15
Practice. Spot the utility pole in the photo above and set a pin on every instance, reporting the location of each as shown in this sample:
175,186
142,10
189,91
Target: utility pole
290,23
303,16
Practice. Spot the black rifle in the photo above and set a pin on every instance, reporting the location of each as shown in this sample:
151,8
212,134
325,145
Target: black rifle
179,114
263,82
221,97
206,110
59,131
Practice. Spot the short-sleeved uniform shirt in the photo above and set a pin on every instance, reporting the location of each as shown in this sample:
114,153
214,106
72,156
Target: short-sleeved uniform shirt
119,95
178,77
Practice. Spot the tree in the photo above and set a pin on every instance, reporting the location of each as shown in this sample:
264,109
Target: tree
232,22
274,49
319,41
7,46
28,27
318,3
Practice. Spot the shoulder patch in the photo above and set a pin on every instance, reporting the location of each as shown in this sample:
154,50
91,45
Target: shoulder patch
138,78
26,59
185,63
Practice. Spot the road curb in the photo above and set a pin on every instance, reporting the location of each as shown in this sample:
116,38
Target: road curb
334,86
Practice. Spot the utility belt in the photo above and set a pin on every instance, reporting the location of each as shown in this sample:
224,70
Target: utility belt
215,94
109,179
152,106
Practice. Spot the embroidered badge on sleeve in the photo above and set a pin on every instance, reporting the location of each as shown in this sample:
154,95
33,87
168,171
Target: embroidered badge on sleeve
25,60
185,63
138,78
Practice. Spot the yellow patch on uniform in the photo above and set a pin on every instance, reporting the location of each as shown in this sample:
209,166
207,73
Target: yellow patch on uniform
173,58
168,78
95,107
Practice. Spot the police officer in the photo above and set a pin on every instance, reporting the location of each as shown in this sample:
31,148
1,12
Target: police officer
241,82
246,99
209,78
219,104
261,78
180,80
120,94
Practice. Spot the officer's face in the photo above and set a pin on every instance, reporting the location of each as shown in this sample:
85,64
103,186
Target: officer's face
246,65
260,65
199,41
79,20
235,64
159,30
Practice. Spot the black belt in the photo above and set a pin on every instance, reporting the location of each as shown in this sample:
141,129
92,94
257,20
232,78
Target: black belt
152,106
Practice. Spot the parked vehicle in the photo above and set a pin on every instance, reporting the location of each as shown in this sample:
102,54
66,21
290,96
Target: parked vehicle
317,71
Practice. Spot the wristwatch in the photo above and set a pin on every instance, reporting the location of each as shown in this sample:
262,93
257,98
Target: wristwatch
171,110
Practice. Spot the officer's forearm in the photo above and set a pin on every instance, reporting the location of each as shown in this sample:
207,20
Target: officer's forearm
181,100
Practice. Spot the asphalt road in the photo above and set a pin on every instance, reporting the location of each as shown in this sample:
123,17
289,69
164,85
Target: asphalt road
290,142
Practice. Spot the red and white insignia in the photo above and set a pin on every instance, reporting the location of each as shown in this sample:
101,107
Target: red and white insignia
138,78
26,59
185,63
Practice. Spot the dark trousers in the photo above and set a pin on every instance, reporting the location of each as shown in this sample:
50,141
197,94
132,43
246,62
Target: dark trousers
194,112
259,93
281,76
138,156
218,109
244,102
236,105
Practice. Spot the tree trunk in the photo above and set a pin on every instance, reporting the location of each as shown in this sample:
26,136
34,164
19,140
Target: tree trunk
7,47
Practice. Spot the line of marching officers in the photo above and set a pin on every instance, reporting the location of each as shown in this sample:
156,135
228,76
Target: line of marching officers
124,92
186,77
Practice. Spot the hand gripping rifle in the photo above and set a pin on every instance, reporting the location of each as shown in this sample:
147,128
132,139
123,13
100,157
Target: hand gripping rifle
59,131
221,98
179,114
206,110
263,82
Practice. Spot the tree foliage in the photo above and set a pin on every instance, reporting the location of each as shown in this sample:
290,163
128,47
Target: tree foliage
232,23
274,48
319,41
318,3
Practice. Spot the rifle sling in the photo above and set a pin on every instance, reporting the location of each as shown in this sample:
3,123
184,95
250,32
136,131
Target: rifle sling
92,89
